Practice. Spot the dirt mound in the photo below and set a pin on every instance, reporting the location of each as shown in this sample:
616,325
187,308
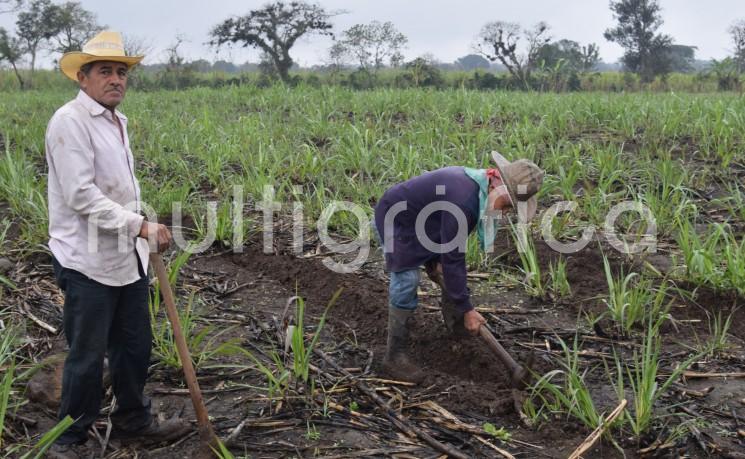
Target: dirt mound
463,370
361,304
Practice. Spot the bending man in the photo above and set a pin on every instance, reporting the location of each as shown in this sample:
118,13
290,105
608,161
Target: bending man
426,221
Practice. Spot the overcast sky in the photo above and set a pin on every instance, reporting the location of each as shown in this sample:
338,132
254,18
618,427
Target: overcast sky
443,28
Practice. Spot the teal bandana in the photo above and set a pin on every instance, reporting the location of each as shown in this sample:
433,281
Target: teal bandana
487,225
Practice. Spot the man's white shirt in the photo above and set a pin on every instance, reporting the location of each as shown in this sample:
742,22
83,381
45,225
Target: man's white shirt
94,196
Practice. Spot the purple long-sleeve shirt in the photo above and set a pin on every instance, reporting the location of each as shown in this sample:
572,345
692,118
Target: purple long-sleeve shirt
449,187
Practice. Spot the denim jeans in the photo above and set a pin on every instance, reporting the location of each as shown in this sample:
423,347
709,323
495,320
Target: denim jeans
403,285
99,319
402,289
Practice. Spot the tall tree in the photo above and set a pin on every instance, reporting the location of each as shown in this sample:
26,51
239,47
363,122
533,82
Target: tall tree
646,51
11,50
472,62
737,32
274,29
589,58
371,45
726,74
423,71
76,26
681,58
501,41
576,57
36,25
135,45
224,66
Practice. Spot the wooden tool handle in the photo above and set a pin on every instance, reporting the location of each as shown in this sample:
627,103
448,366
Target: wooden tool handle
497,348
206,432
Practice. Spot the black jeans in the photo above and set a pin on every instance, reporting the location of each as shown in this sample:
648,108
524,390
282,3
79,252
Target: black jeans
99,319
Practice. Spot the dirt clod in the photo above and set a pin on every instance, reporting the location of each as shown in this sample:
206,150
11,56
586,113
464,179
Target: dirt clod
6,265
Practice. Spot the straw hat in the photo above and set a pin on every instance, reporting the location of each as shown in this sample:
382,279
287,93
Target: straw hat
106,46
523,180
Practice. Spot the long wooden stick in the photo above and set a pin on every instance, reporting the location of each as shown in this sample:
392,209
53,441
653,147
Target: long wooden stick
206,433
598,432
395,418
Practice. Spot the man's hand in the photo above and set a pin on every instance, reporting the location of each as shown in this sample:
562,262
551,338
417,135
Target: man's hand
473,321
160,234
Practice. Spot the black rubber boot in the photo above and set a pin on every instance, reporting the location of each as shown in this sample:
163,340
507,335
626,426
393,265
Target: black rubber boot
396,363
450,315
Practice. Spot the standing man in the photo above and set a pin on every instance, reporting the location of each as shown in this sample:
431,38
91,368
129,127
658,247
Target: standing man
426,221
99,248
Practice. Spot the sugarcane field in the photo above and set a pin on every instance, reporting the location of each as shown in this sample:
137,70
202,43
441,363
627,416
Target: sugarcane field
372,229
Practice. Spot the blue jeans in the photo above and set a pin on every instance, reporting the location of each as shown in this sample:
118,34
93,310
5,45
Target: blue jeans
404,284
402,289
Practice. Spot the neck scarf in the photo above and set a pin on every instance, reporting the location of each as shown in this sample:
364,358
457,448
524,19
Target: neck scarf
487,225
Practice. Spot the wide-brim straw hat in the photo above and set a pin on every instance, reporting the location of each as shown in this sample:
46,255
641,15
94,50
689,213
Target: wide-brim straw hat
523,180
106,46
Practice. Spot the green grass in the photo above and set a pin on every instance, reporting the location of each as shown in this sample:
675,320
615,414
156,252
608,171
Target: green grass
194,146
632,300
530,266
302,351
26,199
11,398
570,395
205,342
559,283
500,434
719,326
641,376
715,259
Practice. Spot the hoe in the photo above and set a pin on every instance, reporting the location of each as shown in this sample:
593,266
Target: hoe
519,375
206,433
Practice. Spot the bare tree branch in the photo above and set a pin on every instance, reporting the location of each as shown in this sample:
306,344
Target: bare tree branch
500,41
737,32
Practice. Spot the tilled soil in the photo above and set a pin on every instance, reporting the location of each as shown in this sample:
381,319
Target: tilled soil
463,376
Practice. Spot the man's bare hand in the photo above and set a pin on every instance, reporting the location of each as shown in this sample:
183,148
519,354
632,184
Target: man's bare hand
473,321
160,234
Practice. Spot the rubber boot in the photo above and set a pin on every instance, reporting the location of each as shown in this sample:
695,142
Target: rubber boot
396,363
450,315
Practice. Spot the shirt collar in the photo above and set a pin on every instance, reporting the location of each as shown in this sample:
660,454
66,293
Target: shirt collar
94,108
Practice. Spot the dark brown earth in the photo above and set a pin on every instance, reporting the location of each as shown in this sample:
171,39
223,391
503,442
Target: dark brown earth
463,377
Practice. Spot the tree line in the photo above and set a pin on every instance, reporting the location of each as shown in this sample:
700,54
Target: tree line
276,27
42,25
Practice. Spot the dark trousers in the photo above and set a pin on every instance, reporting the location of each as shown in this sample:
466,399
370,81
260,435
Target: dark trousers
99,319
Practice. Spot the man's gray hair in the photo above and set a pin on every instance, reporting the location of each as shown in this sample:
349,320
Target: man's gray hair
86,68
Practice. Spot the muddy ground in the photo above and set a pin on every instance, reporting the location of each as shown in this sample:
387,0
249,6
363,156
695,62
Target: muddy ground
247,291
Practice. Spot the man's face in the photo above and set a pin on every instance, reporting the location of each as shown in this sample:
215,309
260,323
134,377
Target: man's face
106,82
498,198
